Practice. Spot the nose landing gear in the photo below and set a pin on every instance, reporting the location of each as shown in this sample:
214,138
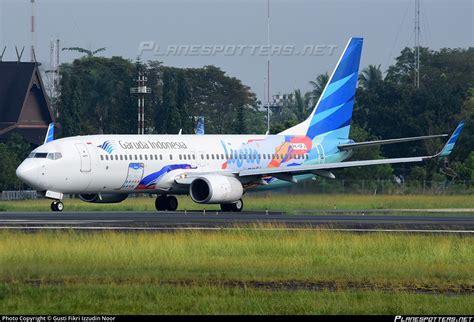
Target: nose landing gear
166,203
57,205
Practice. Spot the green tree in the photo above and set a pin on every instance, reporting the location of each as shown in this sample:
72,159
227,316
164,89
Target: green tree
95,96
371,77
173,117
318,86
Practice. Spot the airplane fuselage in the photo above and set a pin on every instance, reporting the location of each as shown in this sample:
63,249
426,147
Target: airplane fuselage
151,163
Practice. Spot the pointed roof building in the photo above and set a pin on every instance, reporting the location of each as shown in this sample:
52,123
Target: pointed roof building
24,104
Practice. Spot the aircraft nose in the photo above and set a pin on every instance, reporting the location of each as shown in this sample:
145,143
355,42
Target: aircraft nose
28,173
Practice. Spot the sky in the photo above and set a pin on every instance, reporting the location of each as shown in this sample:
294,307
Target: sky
387,26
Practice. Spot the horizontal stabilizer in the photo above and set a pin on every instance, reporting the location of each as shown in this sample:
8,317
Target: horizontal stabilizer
359,145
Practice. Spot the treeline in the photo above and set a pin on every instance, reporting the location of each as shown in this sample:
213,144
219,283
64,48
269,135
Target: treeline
95,98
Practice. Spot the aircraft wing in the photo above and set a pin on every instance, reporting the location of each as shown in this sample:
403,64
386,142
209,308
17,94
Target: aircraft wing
358,145
287,172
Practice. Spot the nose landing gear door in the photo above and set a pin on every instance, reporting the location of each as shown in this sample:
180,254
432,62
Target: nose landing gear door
85,157
134,176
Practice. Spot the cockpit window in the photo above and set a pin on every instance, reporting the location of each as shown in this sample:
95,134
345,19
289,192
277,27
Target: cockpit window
40,155
55,155
31,155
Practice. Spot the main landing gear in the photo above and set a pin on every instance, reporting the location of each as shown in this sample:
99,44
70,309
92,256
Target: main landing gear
57,205
166,203
236,206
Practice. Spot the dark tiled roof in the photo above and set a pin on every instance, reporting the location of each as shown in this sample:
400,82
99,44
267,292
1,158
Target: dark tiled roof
14,86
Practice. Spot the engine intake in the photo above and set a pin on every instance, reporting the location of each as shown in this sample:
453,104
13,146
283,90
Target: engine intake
215,189
104,197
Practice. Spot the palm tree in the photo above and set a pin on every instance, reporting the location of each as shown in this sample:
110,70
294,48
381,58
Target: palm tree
318,85
85,51
370,77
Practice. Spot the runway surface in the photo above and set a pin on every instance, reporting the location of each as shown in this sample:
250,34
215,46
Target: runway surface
363,221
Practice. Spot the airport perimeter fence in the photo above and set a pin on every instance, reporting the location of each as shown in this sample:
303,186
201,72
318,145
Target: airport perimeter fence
384,187
327,186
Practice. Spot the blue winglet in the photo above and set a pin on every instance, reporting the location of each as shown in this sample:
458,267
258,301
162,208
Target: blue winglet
50,134
200,125
449,146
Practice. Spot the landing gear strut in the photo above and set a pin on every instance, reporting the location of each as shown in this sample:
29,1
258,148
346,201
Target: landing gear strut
166,203
236,206
57,205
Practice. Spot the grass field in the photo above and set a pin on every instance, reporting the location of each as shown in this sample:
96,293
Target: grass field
240,271
272,202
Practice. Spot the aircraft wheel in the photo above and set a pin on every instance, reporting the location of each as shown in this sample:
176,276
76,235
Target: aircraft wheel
172,203
57,206
237,206
161,203
226,206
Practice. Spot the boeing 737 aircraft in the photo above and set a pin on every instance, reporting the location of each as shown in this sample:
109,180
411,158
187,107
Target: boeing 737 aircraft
212,169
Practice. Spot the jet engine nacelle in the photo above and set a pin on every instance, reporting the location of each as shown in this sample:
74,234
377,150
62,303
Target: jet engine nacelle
104,197
215,189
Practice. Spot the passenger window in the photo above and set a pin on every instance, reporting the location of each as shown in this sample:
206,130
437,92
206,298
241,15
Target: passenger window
121,157
141,157
171,157
102,158
207,156
161,157
146,157
194,157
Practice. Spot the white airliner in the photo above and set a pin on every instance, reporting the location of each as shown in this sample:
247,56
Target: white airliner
212,169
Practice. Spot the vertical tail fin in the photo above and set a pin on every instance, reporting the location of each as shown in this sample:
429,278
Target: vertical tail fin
49,134
333,111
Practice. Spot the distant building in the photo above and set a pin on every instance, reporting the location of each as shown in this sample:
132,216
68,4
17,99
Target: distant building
24,104
281,100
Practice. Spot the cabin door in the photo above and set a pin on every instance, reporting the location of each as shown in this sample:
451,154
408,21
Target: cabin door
85,157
